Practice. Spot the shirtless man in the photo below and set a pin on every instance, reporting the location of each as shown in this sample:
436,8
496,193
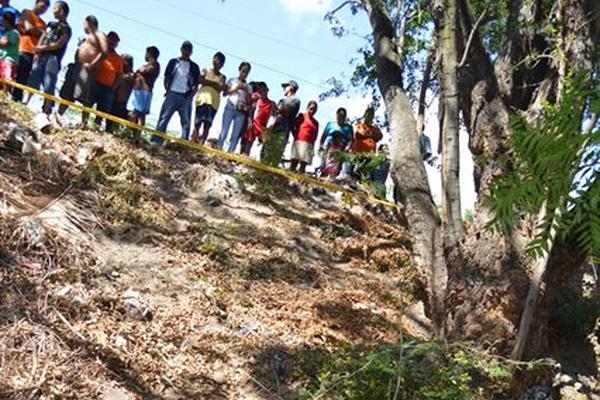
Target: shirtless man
80,75
144,79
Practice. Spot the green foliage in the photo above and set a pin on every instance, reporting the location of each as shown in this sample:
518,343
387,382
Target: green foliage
553,165
364,164
412,371
469,216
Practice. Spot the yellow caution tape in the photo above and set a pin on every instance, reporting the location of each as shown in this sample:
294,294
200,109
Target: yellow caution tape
594,260
347,194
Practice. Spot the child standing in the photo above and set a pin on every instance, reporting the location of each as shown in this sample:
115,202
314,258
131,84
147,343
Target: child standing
335,145
212,83
9,49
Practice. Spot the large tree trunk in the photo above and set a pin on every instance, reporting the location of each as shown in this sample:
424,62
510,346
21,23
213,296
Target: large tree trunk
408,171
490,279
451,204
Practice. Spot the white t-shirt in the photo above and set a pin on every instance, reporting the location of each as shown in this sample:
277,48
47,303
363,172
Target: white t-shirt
239,97
180,80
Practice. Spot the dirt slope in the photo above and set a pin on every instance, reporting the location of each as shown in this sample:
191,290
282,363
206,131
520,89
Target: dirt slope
134,273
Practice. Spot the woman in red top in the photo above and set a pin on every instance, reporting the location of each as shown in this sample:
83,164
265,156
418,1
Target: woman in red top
305,135
263,109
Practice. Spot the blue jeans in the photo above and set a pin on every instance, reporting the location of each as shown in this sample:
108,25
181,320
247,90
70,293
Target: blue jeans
238,118
23,72
45,73
175,102
103,96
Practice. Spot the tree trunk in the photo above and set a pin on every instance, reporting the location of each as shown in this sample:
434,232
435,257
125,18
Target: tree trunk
451,204
408,171
490,280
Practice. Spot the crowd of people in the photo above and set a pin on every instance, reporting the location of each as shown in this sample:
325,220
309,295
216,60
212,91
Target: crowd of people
32,51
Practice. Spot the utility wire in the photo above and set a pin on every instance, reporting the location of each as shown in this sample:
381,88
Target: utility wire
176,35
251,32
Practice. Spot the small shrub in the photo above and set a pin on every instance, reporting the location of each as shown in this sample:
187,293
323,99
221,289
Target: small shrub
412,371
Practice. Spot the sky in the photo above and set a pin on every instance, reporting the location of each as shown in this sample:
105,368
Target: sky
282,39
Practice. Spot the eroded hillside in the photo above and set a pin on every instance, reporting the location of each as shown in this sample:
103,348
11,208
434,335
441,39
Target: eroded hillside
128,272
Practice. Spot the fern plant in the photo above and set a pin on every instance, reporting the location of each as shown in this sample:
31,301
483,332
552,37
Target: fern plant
553,165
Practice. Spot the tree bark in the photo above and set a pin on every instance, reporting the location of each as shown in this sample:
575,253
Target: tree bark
490,281
408,171
451,202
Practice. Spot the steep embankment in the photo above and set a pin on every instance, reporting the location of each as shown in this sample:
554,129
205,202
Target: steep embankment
134,273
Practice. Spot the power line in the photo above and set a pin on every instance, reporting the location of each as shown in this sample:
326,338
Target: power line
253,33
173,34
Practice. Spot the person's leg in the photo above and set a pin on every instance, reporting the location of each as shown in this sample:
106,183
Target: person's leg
228,115
293,165
105,102
36,76
211,112
302,167
185,115
23,72
239,120
205,130
198,123
68,88
167,110
50,79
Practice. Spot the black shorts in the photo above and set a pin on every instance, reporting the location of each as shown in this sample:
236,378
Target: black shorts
205,114
78,85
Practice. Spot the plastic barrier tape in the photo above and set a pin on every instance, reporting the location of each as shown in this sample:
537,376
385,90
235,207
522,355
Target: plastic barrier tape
208,150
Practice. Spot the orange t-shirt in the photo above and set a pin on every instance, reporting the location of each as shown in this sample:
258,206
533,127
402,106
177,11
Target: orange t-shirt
28,42
109,69
366,138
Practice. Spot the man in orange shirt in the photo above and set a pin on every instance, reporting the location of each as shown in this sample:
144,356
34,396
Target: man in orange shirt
31,27
108,76
366,134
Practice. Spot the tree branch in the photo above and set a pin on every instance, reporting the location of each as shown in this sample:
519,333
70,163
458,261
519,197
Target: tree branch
475,28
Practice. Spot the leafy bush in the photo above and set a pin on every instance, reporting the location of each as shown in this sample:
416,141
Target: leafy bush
412,371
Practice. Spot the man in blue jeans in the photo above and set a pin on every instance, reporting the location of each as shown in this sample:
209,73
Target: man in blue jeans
49,53
181,83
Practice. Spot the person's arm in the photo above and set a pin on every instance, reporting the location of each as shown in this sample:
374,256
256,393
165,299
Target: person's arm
205,82
231,88
59,44
196,80
28,28
120,77
359,132
323,136
351,141
316,133
37,49
102,42
296,126
169,73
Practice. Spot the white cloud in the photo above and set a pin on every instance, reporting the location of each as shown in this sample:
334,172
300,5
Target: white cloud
298,7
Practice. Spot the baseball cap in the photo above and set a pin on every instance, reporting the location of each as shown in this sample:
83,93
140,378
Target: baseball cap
291,83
